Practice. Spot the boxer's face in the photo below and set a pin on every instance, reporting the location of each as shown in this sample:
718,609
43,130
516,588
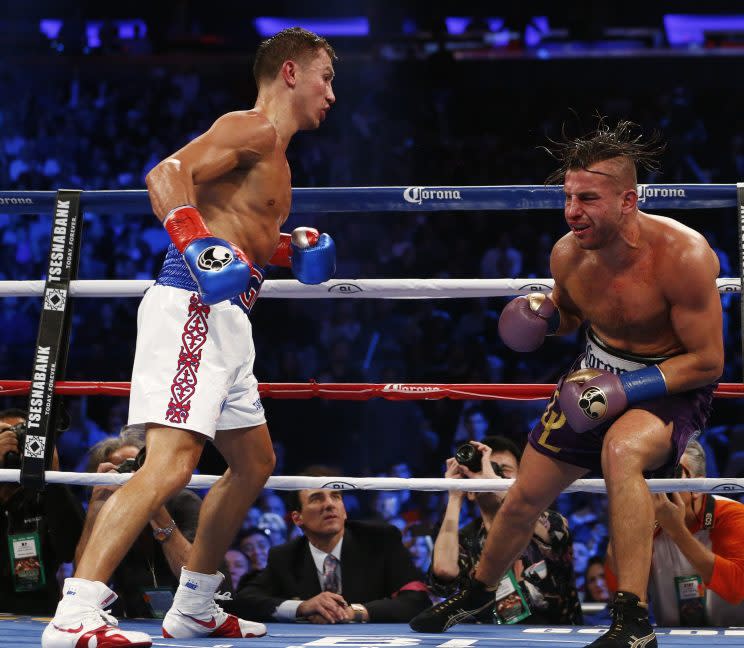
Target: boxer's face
314,89
596,204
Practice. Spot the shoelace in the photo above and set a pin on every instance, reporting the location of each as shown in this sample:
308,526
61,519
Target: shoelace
109,618
617,622
215,610
95,615
457,598
223,596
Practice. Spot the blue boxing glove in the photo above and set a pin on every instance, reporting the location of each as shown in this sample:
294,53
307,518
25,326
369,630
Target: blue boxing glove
220,269
312,256
591,397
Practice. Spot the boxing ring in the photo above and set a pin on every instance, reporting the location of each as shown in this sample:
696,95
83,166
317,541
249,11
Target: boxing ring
60,286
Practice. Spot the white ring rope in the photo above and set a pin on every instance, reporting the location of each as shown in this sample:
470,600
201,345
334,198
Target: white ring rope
292,482
337,288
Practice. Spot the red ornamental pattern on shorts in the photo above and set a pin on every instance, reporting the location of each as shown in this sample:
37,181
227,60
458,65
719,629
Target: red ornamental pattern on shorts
184,382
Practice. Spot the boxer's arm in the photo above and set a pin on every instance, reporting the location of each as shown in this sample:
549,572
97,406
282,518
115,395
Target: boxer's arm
560,264
235,140
696,317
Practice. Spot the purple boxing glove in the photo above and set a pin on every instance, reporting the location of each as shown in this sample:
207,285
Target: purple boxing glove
590,397
525,321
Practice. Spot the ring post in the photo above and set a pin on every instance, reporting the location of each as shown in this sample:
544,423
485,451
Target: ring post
52,343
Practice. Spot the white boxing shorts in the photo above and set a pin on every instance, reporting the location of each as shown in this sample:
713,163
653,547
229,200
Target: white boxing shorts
193,366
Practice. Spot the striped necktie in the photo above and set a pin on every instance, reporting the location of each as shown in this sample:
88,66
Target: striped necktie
331,581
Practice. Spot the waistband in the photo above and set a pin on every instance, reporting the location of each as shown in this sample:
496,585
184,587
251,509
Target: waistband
599,355
174,273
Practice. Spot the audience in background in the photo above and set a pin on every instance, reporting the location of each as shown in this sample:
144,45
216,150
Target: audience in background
69,129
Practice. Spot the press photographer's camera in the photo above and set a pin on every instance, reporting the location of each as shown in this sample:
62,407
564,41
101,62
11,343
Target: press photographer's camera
12,459
469,456
132,464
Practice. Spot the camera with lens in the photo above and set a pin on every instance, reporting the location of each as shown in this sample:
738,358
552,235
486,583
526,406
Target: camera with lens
469,456
12,459
133,464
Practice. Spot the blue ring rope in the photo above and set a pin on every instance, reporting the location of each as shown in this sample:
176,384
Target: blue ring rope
398,199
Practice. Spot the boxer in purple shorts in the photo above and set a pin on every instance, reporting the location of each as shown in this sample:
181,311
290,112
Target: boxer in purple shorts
645,287
687,412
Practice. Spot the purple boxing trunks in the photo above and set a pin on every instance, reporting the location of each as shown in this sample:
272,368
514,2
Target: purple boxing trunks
687,411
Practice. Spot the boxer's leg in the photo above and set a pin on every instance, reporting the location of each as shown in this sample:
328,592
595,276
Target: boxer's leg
250,459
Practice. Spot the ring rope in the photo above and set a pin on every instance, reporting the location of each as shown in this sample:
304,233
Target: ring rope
336,288
293,482
348,391
311,200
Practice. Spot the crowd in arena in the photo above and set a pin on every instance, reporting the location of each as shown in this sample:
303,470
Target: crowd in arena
75,131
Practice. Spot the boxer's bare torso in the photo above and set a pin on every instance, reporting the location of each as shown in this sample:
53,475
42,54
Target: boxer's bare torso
626,301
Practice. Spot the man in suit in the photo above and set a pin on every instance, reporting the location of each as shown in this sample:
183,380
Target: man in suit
340,571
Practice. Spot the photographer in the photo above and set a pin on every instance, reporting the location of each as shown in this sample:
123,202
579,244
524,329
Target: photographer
148,576
542,585
39,529
697,566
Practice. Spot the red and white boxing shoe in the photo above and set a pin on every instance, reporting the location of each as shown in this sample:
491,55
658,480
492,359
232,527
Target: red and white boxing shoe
195,613
81,621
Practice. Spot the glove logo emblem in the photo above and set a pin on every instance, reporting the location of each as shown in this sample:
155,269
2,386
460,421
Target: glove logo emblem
214,258
593,403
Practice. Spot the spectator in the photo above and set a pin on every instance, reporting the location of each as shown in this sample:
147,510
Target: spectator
595,591
274,526
387,506
255,543
271,502
697,567
237,566
421,547
595,585
473,425
339,571
148,576
49,524
544,572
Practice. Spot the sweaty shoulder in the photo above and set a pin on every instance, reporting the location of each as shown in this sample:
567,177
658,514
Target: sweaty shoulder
247,129
564,256
677,245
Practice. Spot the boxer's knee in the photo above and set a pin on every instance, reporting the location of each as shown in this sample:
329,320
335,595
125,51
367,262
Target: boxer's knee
164,484
621,458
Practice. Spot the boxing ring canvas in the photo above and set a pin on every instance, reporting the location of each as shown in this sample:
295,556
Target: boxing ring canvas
26,631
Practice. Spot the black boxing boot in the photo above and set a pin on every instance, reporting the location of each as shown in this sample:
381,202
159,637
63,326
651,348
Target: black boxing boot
630,626
473,598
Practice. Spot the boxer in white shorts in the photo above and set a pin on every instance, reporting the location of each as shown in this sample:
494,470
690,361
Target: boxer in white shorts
222,198
193,370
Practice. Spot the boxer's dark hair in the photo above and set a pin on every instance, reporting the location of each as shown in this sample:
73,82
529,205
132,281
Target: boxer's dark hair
294,503
294,43
604,143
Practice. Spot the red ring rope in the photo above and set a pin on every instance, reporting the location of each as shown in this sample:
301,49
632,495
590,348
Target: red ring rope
346,391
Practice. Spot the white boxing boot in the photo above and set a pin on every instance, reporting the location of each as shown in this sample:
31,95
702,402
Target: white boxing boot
194,612
81,621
